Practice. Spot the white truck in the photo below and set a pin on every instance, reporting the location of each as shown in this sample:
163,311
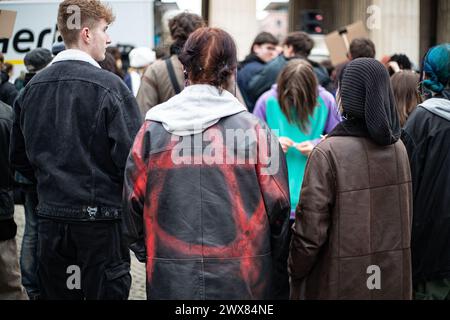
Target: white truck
35,26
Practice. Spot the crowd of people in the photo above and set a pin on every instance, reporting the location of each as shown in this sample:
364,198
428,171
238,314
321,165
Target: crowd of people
277,177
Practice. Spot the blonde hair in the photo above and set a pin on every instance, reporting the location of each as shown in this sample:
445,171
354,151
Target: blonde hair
91,11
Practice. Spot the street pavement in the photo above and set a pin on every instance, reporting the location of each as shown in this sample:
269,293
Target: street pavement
137,291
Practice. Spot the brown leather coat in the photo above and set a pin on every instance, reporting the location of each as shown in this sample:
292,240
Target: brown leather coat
354,213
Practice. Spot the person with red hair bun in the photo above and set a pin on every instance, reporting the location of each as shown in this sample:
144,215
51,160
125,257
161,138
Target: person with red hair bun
206,193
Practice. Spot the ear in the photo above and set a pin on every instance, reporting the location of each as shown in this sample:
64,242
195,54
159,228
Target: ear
85,35
291,50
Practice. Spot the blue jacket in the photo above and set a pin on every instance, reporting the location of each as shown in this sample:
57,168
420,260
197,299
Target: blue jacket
262,82
251,66
77,123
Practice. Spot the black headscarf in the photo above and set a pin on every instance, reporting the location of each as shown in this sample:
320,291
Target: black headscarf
368,103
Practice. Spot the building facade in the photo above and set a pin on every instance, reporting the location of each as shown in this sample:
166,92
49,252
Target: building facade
399,26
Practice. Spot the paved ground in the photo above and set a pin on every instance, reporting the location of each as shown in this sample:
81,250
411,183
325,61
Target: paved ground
137,269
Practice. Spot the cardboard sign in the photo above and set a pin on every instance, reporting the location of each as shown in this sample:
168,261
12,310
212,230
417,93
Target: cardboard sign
338,42
7,20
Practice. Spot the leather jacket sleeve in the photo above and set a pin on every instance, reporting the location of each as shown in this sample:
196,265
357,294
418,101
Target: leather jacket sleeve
273,181
312,220
134,195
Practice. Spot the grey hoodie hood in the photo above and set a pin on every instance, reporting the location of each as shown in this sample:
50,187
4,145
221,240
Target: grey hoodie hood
195,109
438,106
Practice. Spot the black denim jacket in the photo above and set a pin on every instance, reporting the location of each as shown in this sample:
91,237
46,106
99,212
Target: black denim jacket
74,126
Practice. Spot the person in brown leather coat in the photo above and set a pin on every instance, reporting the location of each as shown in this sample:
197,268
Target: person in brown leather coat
352,232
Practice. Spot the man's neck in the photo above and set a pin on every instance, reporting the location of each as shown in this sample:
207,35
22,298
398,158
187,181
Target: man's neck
79,48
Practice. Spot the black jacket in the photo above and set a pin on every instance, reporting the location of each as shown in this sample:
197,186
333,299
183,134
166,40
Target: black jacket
77,123
211,231
427,139
251,66
8,91
7,225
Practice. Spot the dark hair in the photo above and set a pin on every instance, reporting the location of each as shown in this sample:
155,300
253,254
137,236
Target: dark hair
209,57
407,97
297,92
362,48
262,38
115,52
117,55
161,52
301,42
402,60
328,64
7,67
2,59
181,26
109,63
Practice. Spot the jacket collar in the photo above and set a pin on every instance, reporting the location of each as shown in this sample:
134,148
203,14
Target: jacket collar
438,106
195,109
77,55
251,58
350,128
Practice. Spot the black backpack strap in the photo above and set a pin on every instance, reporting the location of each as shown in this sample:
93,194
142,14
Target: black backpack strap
172,76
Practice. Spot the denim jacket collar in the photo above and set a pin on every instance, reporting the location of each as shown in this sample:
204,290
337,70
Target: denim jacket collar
75,54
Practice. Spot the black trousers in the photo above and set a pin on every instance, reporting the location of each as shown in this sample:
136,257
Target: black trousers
82,260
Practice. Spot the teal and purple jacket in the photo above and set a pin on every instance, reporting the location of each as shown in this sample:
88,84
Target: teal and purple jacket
322,122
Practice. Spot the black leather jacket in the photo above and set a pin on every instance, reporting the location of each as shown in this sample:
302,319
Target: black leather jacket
6,202
77,124
210,230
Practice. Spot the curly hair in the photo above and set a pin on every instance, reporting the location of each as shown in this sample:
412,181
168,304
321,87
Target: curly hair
181,26
403,61
209,57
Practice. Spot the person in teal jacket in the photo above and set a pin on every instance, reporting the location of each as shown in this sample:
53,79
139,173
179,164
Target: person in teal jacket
300,116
